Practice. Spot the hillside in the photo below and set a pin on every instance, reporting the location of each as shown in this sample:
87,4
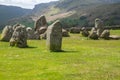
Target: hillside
67,5
109,13
74,12
108,10
9,12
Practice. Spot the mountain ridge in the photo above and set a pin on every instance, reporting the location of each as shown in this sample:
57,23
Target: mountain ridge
81,8
9,12
62,9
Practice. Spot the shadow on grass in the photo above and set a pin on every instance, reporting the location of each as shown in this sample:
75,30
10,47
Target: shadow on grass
65,51
69,51
29,47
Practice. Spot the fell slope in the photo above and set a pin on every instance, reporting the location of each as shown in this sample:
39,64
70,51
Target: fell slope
82,11
108,10
10,12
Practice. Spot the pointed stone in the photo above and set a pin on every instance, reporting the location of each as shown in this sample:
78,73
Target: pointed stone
41,22
19,37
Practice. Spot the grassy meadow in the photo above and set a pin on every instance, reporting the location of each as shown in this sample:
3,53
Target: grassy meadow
82,59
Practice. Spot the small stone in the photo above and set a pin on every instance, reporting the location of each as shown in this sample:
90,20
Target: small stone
74,30
65,33
93,34
85,33
105,34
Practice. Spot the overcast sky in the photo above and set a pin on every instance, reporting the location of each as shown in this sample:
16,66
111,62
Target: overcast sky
24,3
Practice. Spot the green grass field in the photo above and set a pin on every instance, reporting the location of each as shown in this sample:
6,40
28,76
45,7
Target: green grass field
82,59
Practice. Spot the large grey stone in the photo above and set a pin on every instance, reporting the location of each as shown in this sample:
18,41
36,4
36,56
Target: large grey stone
84,32
41,22
105,34
99,26
19,37
54,36
7,33
93,34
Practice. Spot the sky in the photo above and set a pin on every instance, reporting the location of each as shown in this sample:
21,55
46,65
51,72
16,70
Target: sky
24,3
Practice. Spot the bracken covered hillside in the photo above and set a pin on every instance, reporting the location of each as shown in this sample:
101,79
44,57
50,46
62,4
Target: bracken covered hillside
85,11
76,12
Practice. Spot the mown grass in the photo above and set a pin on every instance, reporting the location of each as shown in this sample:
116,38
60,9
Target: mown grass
82,59
115,32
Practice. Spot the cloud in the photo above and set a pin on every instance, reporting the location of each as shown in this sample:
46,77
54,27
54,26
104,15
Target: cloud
23,3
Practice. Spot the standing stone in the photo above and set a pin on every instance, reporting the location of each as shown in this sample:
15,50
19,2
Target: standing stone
30,33
19,37
105,34
84,33
93,34
41,22
6,33
16,25
99,26
65,33
54,36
